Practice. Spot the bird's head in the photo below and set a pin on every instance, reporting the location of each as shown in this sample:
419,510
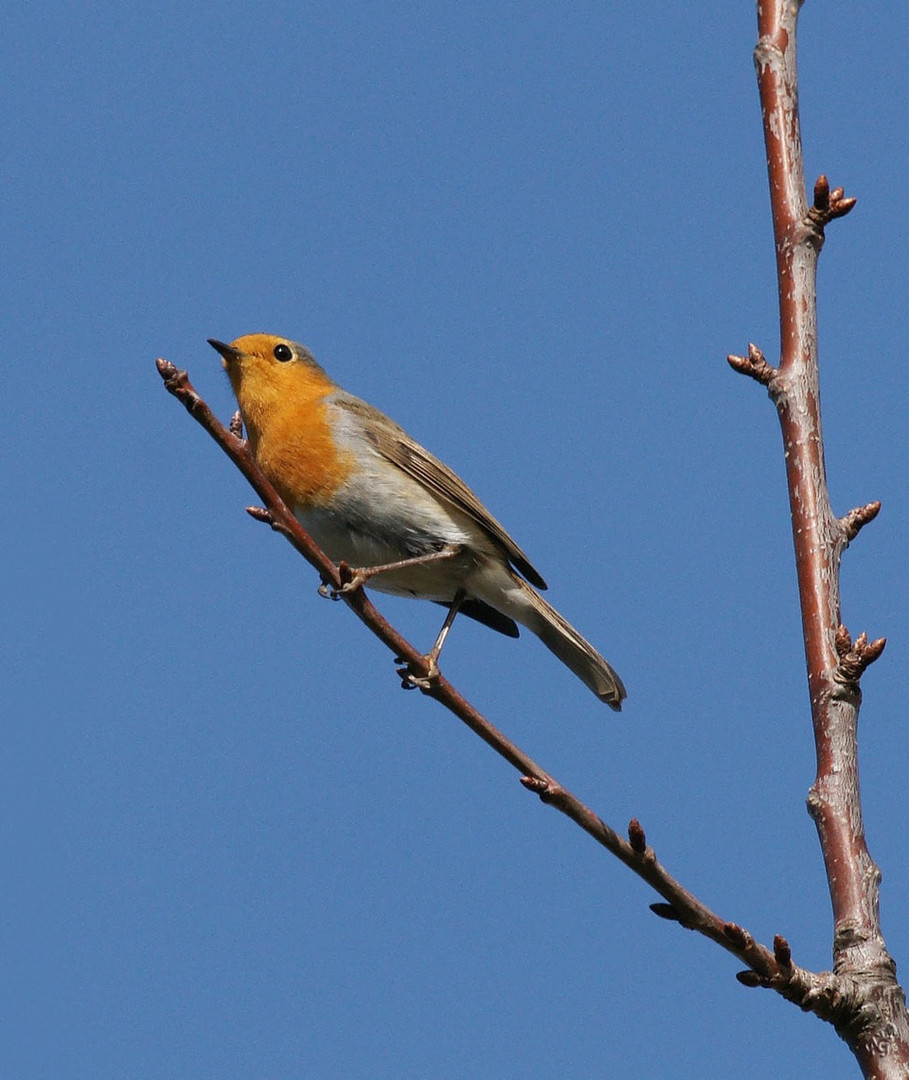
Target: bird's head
265,369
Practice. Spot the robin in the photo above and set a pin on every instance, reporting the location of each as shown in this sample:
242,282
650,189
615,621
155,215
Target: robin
372,497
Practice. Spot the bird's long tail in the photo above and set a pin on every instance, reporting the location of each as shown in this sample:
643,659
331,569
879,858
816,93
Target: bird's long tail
561,638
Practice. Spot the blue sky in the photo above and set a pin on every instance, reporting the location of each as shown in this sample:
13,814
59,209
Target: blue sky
531,233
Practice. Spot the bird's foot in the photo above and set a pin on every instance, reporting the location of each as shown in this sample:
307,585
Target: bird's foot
351,580
412,680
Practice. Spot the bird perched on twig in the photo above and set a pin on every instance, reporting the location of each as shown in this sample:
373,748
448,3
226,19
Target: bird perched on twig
372,497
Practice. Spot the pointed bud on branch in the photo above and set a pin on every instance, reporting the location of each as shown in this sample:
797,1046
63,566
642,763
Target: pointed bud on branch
753,365
737,935
636,837
853,522
259,513
855,656
781,951
665,911
828,204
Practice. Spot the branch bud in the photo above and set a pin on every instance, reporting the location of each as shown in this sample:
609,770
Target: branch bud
737,936
636,837
754,365
858,518
828,204
855,656
666,911
781,951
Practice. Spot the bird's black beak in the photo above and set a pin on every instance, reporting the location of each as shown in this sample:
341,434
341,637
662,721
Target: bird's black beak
229,353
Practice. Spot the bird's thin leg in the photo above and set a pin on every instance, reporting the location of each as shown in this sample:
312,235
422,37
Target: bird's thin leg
354,578
432,657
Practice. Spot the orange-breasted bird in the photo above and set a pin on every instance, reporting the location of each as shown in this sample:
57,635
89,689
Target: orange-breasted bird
372,497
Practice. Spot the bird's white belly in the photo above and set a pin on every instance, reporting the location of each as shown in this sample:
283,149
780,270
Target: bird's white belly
376,531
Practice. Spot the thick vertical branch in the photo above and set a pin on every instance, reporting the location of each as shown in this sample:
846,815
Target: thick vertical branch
878,1033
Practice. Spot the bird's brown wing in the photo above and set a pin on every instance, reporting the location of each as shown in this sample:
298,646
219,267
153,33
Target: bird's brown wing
393,443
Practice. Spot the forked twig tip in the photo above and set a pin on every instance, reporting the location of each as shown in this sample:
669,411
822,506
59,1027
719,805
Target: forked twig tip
754,365
855,655
828,204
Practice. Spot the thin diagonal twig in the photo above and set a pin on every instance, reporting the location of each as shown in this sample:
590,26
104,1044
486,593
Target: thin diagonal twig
766,967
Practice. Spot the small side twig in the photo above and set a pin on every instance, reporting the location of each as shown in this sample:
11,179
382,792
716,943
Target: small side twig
828,204
754,365
855,656
853,522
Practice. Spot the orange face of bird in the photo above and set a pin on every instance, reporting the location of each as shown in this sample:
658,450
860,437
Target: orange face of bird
271,378
265,370
281,391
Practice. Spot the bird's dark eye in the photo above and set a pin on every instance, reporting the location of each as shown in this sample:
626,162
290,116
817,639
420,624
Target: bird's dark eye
283,353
